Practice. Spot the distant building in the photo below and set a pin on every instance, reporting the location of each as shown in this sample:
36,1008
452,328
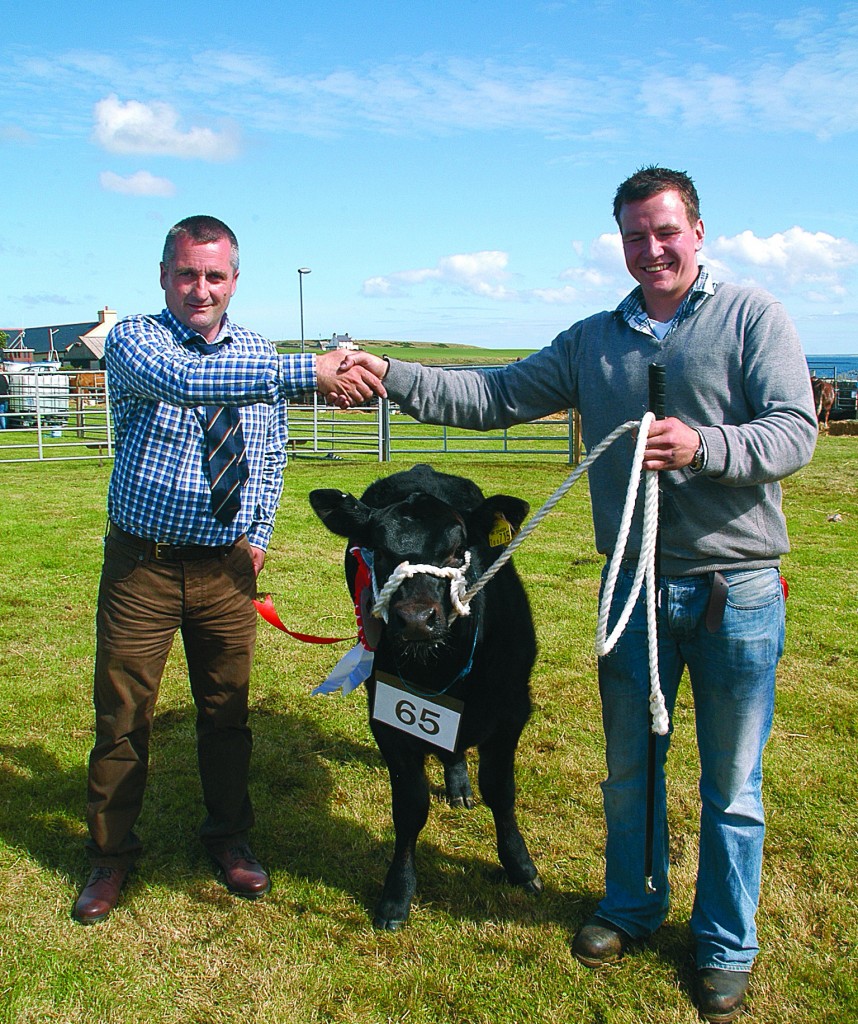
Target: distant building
87,353
79,345
339,341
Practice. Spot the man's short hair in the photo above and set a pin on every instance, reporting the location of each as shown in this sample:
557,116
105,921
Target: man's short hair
201,229
651,181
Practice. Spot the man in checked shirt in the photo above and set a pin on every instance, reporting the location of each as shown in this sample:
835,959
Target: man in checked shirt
170,564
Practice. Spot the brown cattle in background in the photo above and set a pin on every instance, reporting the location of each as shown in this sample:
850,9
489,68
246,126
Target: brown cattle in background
824,395
88,386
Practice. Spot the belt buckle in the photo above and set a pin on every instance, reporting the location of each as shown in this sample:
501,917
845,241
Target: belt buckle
159,551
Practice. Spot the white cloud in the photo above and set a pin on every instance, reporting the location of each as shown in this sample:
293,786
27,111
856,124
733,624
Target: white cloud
564,296
16,135
478,273
47,299
142,183
153,128
799,74
808,85
599,278
795,265
814,265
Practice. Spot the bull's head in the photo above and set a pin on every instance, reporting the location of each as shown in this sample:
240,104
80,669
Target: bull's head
420,530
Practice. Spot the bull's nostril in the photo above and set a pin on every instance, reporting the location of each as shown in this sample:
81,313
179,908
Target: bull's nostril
416,620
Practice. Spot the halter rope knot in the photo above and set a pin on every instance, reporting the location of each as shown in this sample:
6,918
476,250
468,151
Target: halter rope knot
405,571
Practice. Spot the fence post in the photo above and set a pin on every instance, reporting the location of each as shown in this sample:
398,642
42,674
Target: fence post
107,414
37,398
574,437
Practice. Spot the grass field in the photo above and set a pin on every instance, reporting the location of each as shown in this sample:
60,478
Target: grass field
180,950
432,354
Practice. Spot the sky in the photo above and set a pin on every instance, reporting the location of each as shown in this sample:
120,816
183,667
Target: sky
445,169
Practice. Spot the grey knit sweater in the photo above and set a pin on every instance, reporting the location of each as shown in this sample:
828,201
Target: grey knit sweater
734,371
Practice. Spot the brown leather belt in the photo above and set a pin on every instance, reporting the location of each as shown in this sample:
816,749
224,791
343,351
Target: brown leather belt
151,549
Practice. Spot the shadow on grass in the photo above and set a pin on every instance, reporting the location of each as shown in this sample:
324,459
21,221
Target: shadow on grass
298,775
41,803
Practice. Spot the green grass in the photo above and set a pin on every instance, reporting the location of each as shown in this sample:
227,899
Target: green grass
430,353
180,949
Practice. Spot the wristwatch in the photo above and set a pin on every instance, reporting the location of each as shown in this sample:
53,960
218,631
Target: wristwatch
699,460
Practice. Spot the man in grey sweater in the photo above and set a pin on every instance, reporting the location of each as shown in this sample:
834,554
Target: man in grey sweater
739,418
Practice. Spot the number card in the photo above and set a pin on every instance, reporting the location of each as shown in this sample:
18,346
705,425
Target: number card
436,721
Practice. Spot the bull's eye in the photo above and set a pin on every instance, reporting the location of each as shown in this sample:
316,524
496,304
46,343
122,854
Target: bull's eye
384,563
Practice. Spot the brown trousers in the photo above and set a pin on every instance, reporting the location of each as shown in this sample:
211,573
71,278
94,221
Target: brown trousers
142,603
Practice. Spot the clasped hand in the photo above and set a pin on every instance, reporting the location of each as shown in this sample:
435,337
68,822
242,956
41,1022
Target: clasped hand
350,380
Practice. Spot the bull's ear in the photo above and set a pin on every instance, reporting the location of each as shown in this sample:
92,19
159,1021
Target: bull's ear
342,513
486,518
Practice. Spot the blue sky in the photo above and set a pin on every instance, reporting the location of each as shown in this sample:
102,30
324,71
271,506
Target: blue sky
445,169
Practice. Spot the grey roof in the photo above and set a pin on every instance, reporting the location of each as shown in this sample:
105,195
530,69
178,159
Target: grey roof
39,338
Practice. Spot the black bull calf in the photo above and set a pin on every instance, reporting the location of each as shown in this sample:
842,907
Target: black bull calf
479,663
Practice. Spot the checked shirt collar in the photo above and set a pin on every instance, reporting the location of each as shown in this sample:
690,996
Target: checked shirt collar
184,334
632,311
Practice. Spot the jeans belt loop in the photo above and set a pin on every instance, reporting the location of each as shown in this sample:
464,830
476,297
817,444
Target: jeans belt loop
717,602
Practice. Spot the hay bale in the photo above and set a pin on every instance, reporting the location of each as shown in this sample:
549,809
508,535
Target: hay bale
843,428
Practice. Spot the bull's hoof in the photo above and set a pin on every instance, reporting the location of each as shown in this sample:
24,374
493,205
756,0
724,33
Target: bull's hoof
534,887
457,784
387,924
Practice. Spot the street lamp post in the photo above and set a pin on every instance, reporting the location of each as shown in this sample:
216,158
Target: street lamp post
301,272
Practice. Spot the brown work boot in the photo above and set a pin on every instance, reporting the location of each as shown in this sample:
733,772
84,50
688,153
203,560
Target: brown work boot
599,942
100,895
242,872
720,993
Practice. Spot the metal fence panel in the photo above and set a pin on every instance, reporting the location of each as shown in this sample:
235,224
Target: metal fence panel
54,416
66,415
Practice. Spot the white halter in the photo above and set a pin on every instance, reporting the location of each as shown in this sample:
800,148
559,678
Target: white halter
405,571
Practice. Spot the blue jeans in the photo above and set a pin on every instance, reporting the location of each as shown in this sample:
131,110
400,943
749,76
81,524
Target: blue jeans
732,674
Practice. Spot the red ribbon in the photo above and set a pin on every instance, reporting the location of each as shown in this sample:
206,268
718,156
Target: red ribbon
363,587
266,609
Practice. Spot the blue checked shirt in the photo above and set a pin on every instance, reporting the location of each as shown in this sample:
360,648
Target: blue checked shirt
159,488
632,310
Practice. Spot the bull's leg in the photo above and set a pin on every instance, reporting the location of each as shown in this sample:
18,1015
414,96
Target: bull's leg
457,783
410,800
497,784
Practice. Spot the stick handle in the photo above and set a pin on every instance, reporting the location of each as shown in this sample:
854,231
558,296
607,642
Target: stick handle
656,390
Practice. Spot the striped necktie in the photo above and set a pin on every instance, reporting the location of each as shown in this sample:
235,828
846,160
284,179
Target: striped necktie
225,450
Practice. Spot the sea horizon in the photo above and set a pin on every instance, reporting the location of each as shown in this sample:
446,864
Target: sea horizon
834,365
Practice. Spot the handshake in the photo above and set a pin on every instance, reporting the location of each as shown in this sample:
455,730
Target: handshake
347,381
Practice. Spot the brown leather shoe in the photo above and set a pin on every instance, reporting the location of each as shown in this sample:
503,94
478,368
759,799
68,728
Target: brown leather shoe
720,993
599,942
242,872
99,896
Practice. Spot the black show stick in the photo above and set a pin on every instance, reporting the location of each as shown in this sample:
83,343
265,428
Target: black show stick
656,406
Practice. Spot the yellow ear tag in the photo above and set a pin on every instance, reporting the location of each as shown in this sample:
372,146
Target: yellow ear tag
501,532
